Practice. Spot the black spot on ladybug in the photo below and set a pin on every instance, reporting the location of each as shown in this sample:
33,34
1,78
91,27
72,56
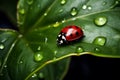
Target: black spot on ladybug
77,33
71,35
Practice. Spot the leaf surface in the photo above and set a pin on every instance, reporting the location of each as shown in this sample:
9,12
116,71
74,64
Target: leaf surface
36,53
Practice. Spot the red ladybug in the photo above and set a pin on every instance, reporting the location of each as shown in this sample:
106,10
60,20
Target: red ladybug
69,34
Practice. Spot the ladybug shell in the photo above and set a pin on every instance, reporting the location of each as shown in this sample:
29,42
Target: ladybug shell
72,33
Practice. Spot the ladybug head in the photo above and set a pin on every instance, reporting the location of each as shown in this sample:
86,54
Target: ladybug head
61,39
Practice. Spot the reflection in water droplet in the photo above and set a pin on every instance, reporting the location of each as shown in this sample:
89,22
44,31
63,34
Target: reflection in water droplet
29,2
74,11
97,49
39,47
100,40
34,75
41,75
2,46
63,2
45,14
22,11
100,21
79,49
38,56
84,7
56,24
89,7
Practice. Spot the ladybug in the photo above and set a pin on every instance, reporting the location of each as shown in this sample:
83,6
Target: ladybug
69,34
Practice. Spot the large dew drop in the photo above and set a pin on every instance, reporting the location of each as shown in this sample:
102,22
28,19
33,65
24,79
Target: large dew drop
63,2
38,56
100,40
74,11
100,21
2,46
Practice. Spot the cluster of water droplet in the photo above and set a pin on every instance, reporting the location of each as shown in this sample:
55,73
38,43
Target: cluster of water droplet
39,75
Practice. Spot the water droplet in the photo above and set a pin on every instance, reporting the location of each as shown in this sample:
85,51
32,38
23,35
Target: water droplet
29,2
117,2
74,11
89,7
97,49
84,7
38,56
74,19
100,40
22,11
4,40
2,46
39,48
41,75
100,21
45,14
63,21
63,2
5,66
55,52
61,10
21,62
56,24
104,3
46,40
34,75
79,49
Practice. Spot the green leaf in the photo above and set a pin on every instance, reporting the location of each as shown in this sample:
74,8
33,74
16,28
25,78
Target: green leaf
34,51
